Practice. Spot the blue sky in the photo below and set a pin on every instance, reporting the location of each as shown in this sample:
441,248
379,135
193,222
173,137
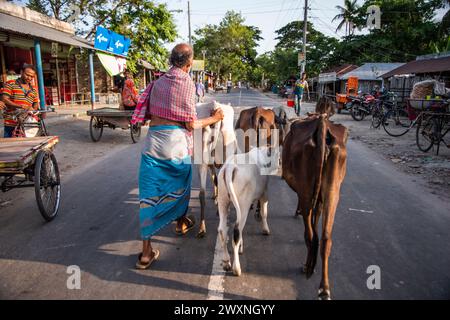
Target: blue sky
268,15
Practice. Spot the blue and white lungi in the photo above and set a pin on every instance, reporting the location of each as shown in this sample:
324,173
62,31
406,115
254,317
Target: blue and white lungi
165,176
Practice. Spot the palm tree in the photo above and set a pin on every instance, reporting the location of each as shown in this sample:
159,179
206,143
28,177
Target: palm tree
348,15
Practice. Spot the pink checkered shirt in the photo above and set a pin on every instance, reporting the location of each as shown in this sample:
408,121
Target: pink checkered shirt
173,96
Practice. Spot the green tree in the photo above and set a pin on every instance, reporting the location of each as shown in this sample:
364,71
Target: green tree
38,5
231,47
407,30
147,24
348,16
319,48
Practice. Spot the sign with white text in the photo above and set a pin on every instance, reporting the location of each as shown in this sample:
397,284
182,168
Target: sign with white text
110,41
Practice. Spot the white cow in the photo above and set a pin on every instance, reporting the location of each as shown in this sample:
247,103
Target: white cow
243,180
208,152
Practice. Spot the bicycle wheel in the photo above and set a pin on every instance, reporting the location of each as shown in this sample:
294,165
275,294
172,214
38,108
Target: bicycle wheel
377,116
396,122
426,133
47,184
358,114
135,130
42,129
95,129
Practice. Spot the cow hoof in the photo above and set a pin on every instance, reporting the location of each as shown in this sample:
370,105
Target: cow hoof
201,234
226,265
266,232
324,294
237,272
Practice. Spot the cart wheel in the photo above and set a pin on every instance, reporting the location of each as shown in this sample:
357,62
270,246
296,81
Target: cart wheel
96,129
47,184
135,132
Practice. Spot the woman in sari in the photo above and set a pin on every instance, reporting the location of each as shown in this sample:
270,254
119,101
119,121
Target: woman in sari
165,172
129,93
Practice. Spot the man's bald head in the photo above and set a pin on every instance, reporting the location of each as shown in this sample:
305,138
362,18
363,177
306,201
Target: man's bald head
182,55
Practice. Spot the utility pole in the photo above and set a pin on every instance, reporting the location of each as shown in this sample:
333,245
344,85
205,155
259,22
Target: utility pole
305,29
189,21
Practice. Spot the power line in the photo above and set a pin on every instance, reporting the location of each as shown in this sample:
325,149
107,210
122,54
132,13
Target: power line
245,13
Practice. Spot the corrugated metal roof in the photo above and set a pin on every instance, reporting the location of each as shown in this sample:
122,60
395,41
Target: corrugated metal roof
33,29
371,71
421,66
340,70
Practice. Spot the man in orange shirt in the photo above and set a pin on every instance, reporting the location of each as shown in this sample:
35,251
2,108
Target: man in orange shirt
18,94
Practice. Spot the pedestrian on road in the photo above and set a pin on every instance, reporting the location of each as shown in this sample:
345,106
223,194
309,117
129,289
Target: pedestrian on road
18,94
229,85
200,91
165,171
300,86
129,92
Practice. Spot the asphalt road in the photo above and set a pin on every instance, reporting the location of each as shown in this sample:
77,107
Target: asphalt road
383,219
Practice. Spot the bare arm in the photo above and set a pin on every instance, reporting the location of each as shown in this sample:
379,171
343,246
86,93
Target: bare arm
9,104
202,123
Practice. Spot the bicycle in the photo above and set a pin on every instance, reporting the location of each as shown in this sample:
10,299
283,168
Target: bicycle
382,106
434,126
29,124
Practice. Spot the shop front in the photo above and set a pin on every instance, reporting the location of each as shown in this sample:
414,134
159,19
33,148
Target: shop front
27,37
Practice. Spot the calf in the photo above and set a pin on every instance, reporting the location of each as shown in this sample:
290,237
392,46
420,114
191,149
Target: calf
314,164
243,180
326,105
208,151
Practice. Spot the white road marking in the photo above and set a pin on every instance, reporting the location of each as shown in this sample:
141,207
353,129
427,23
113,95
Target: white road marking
215,286
364,211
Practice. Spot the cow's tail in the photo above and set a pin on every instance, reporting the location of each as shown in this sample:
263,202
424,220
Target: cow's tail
321,136
229,184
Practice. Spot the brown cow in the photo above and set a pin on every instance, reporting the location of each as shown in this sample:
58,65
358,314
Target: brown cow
258,118
326,105
314,164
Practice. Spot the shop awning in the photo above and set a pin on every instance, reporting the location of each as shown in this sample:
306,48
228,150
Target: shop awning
36,30
421,66
113,64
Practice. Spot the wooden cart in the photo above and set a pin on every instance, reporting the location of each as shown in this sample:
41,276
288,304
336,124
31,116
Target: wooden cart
30,162
112,118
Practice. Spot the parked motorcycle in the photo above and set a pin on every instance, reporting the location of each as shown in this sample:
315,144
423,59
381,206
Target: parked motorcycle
362,106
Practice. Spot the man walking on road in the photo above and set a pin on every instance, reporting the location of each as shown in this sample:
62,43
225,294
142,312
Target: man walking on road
300,86
165,172
229,85
200,91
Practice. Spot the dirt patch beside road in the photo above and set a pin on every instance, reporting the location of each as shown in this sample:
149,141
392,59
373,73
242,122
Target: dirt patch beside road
76,150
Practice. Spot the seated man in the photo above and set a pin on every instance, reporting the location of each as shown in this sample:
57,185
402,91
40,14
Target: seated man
18,94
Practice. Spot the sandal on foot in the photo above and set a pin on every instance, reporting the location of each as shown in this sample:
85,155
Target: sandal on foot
188,224
143,266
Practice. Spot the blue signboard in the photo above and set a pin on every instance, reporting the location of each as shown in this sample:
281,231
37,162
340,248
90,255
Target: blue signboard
110,41
102,38
126,46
